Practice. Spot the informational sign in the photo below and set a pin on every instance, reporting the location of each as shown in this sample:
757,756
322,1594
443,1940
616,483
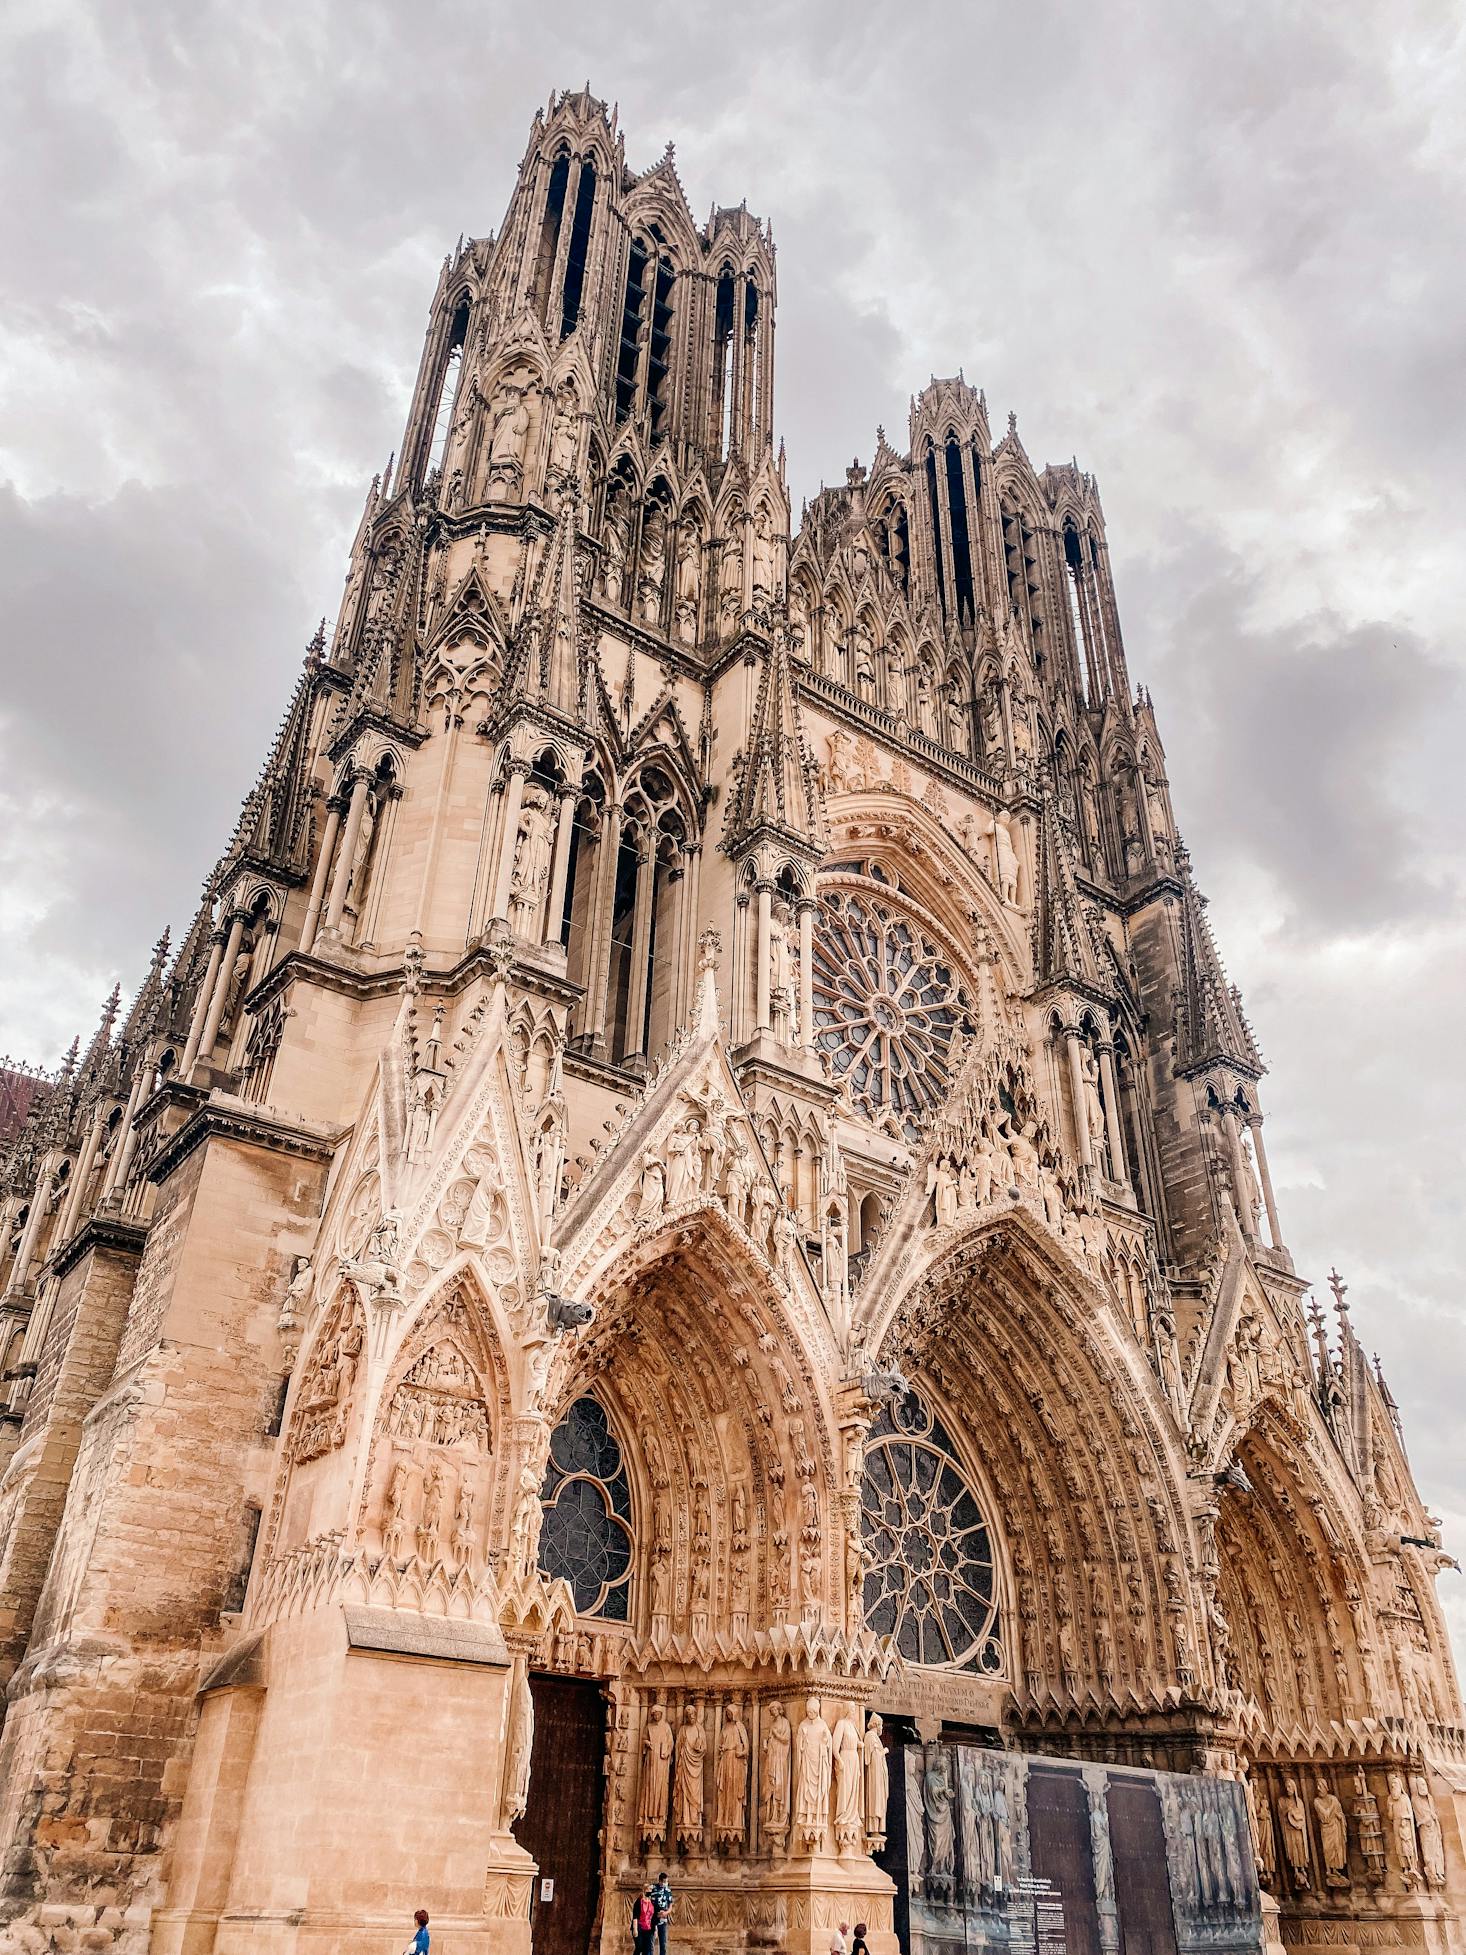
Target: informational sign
547,1892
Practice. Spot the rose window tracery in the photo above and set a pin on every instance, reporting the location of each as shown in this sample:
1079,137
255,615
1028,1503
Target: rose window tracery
585,1538
886,1005
932,1581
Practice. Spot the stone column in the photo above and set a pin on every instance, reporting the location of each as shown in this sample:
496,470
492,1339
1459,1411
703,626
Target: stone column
1275,1234
122,1152
1076,1096
1119,1170
221,985
508,838
342,878
1232,1127
201,1004
45,1186
806,972
554,932
81,1175
318,880
641,929
761,959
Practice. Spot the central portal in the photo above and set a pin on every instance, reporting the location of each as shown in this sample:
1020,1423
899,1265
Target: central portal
562,1822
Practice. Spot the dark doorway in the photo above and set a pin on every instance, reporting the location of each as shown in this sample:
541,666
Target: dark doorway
1060,1850
1142,1881
562,1824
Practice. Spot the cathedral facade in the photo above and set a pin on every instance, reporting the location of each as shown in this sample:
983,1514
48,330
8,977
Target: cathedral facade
689,1225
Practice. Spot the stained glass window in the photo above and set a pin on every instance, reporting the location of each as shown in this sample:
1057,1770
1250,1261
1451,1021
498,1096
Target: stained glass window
931,1583
586,1535
886,1004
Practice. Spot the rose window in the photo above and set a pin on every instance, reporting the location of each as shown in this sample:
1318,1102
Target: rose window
931,1582
585,1537
886,1004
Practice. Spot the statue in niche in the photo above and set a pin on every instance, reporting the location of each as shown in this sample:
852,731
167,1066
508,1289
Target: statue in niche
1333,1834
530,876
1005,861
1294,1818
1155,808
730,579
432,1512
394,1509
774,1776
653,564
656,1777
524,1533
1099,1846
1092,1111
238,980
936,1796
863,664
849,1789
781,969
687,1791
840,776
990,721
855,1566
763,555
565,432
463,1523
615,545
813,1759
730,1817
741,1176
1368,1830
521,1745
684,1161
1402,1824
1428,1830
877,1784
1018,709
954,708
944,1186
509,430
689,579
661,1594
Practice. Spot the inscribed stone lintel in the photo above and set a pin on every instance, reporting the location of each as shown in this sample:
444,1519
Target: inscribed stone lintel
400,1632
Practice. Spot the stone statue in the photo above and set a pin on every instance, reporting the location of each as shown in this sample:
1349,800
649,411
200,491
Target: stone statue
1428,1830
687,1791
1368,1831
653,1196
394,1511
862,664
530,876
565,432
689,580
1402,1824
763,554
1260,1821
1333,1834
849,1790
1005,858
1294,1818
463,1523
730,581
521,1744
731,1812
615,543
653,564
877,1785
509,431
656,1777
936,1793
1099,1847
432,1512
774,1775
661,1593
684,1161
990,722
1093,1111
813,1757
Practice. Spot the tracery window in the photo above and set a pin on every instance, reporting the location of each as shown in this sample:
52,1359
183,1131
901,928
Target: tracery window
586,1534
932,1579
886,1004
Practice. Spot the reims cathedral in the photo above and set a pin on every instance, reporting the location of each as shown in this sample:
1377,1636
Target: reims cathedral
679,1269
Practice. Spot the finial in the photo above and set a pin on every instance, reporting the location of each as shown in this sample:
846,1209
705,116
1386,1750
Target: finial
1012,422
1340,1290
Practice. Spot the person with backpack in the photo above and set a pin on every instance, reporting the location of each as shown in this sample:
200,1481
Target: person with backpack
419,1943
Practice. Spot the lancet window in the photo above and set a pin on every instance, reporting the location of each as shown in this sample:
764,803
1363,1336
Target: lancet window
452,367
586,1535
932,1580
585,200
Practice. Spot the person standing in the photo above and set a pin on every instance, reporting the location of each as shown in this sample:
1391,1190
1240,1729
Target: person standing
662,1902
419,1943
859,1946
643,1918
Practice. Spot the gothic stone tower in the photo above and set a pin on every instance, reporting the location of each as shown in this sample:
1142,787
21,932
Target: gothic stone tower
697,1175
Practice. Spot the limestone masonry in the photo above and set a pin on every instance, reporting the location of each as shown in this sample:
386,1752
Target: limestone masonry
693,1207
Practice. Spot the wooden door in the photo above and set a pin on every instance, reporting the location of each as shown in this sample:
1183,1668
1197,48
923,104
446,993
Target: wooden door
1060,1852
561,1826
1142,1877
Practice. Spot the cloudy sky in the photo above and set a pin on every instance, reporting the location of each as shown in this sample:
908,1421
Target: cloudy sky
1213,252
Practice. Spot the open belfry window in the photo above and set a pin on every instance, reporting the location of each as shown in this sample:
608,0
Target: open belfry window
723,360
452,367
585,200
544,269
632,306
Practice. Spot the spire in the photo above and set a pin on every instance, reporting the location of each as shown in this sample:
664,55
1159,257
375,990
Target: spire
1210,1023
776,786
1065,947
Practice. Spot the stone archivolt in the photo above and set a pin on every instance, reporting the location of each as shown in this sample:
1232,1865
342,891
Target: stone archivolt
742,993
